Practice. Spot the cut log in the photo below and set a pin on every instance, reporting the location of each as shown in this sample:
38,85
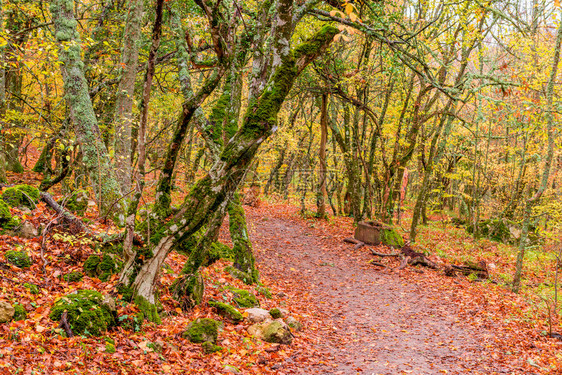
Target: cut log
368,232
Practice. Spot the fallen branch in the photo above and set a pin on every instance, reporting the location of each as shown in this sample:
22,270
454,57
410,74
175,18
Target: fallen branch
385,255
377,264
64,324
75,224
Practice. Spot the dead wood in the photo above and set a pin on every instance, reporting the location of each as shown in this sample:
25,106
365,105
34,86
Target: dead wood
384,255
377,264
64,324
75,224
480,270
351,240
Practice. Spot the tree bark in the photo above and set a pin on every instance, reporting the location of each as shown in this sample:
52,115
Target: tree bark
95,156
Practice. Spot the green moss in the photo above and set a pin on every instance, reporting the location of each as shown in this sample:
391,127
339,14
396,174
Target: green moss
243,298
149,310
33,289
276,332
18,258
78,202
30,191
391,237
208,347
275,313
109,348
264,291
189,290
21,195
12,223
72,277
86,313
20,312
13,197
126,292
202,330
227,311
102,267
91,265
221,251
5,214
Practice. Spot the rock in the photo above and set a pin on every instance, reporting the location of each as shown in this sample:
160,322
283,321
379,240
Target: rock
257,329
391,237
257,315
86,312
243,298
202,330
277,332
277,313
209,347
227,311
18,258
27,230
109,302
293,323
7,311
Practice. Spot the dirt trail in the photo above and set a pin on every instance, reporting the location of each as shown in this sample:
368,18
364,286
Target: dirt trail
373,322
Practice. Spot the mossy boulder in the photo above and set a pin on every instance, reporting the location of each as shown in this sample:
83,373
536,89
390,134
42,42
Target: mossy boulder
208,347
227,311
276,313
20,313
243,298
18,258
5,214
78,202
73,277
277,332
202,330
87,313
110,348
391,237
21,196
100,266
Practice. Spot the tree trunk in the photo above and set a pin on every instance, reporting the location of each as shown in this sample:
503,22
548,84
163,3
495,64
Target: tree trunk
125,93
95,156
321,194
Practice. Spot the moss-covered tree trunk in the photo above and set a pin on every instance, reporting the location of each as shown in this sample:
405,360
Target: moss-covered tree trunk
213,191
95,156
244,260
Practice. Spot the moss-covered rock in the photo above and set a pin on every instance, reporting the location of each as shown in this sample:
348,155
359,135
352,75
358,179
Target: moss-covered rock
275,313
5,214
21,196
148,310
227,311
208,347
391,237
87,313
277,332
78,202
202,330
33,289
20,313
102,267
243,298
18,258
73,277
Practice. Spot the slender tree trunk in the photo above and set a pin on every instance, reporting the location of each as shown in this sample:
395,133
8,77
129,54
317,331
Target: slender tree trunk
125,93
95,156
531,202
321,194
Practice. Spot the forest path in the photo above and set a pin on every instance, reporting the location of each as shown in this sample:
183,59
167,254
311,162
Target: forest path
369,321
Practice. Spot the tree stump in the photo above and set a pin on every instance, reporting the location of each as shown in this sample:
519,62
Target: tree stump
368,232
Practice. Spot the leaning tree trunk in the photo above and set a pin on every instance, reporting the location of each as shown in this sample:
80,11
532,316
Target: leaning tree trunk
95,156
244,260
214,190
